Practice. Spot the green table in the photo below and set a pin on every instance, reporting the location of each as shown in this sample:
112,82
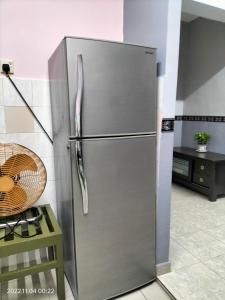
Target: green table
48,236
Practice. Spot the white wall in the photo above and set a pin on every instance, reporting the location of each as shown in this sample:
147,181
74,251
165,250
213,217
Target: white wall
202,66
209,99
179,108
172,54
178,125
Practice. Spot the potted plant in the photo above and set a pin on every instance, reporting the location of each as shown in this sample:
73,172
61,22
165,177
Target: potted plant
202,139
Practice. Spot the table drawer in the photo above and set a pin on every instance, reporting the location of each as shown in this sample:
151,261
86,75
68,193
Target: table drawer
202,167
201,179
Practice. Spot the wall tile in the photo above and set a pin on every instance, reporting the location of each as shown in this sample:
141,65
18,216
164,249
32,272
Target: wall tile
44,115
2,119
49,165
1,91
25,139
36,92
49,195
11,97
3,138
37,142
18,119
41,93
42,145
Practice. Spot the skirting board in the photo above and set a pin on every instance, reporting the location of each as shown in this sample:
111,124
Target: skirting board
163,268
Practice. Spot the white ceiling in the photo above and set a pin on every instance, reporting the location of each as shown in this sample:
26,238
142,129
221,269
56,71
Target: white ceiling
209,9
215,3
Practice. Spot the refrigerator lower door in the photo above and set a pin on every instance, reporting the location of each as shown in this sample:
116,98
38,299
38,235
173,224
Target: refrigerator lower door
115,223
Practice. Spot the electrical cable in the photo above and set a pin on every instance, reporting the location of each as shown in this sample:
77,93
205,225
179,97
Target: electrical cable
6,70
12,230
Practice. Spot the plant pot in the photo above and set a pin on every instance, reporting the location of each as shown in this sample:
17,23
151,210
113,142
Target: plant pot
201,148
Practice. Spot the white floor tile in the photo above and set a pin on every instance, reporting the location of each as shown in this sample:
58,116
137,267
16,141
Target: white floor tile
217,232
197,229
205,295
201,245
154,291
54,297
217,265
70,298
189,280
133,296
180,257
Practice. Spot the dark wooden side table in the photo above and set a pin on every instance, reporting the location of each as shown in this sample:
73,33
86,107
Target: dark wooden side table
201,172
48,235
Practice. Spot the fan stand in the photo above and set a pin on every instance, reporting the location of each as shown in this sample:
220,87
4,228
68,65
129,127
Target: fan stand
38,216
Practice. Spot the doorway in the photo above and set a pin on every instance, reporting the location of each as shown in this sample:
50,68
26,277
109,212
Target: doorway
197,243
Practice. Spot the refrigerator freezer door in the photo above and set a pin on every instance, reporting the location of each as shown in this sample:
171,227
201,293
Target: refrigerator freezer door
112,88
115,241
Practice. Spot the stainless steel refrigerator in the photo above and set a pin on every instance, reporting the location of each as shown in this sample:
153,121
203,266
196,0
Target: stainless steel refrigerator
103,97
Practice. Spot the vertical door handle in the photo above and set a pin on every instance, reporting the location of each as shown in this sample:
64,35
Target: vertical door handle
81,175
78,132
79,96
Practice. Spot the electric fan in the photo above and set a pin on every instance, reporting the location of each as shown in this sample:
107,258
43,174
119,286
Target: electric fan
22,178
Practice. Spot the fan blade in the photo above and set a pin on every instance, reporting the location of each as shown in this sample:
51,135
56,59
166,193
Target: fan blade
14,199
17,163
6,184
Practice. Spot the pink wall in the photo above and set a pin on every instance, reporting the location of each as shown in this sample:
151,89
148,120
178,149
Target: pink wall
30,30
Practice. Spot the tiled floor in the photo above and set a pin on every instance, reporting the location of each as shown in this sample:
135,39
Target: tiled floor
46,281
197,254
197,249
42,285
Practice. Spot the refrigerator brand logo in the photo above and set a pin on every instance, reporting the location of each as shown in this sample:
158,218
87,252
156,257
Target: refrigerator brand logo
147,52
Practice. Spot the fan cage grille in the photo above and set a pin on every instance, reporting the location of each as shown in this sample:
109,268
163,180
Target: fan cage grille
27,173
